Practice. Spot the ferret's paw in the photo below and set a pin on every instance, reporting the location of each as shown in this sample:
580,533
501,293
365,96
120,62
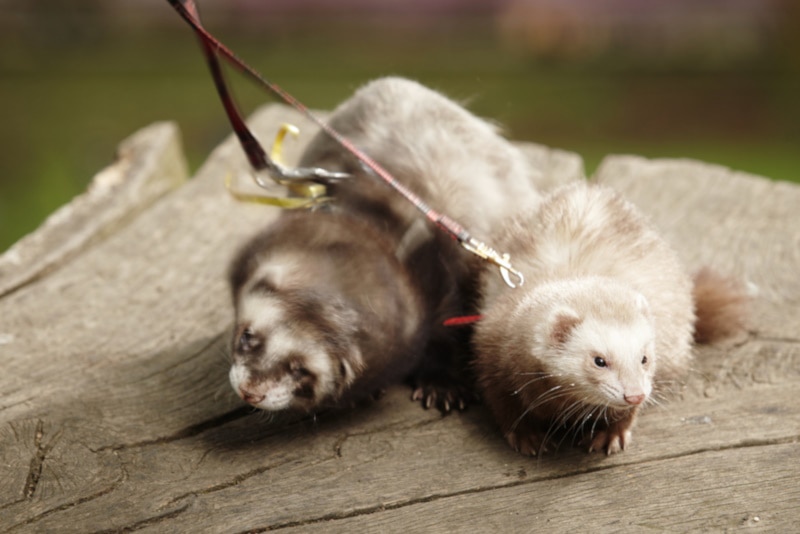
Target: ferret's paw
526,443
445,398
611,441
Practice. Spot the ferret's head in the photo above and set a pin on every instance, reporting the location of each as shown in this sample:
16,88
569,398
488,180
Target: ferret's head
601,346
292,349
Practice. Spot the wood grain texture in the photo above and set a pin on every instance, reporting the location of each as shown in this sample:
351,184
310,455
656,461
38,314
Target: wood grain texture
149,164
116,414
708,491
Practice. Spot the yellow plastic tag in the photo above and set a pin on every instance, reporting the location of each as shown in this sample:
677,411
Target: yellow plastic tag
301,194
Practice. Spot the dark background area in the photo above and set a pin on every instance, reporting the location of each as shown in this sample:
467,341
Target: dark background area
716,80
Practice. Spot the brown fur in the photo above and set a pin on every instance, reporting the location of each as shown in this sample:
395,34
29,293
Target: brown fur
456,163
347,293
721,306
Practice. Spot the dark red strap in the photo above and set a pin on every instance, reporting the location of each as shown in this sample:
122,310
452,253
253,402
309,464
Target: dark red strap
256,154
259,159
462,320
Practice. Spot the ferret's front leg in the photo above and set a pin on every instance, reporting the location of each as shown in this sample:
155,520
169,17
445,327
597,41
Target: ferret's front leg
442,379
615,436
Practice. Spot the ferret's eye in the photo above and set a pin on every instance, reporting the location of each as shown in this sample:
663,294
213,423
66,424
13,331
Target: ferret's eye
248,341
298,371
644,360
599,362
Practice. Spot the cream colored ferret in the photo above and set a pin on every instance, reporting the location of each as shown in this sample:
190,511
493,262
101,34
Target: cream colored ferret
607,314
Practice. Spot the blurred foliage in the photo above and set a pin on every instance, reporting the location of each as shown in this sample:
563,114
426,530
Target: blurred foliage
76,79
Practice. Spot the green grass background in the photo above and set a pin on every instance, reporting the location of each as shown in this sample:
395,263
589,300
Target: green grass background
70,98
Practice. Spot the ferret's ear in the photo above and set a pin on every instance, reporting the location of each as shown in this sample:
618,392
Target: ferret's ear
562,322
347,372
350,368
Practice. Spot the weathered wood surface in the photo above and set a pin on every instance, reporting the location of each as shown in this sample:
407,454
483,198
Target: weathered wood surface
116,415
149,164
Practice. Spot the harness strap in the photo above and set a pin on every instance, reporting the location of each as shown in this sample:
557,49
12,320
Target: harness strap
462,320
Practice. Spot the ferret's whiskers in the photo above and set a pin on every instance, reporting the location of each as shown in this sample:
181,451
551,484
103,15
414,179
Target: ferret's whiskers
581,422
265,417
549,395
553,394
529,382
566,412
561,421
223,391
604,415
222,352
570,423
655,399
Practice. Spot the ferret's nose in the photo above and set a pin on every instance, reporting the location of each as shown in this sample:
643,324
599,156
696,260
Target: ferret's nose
635,400
251,398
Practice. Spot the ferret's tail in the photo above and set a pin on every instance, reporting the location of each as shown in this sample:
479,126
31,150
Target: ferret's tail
721,305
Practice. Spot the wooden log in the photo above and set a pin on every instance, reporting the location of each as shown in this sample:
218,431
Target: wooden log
712,491
149,164
116,415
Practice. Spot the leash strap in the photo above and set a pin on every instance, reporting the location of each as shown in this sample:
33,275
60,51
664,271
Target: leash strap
260,161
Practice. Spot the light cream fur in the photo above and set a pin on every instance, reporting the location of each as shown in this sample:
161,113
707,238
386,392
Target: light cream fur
605,317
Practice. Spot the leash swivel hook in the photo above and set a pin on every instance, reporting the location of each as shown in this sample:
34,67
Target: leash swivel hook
511,276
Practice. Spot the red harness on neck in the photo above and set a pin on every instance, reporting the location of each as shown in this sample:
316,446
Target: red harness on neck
462,320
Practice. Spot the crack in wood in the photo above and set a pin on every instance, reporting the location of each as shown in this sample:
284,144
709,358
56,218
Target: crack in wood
338,516
10,290
194,354
184,433
238,479
66,506
340,441
260,470
234,415
13,404
144,523
10,393
9,504
37,462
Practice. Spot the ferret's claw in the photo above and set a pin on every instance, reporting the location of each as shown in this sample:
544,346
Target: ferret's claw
610,441
444,397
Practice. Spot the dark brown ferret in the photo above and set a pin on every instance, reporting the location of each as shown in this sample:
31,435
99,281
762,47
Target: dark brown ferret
325,313
335,306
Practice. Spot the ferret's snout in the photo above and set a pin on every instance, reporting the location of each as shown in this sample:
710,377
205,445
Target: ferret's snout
633,400
250,398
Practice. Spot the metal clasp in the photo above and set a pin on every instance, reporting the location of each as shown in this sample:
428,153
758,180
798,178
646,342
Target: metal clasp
503,261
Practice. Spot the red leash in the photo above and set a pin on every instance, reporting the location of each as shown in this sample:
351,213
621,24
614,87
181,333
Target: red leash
463,320
259,160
